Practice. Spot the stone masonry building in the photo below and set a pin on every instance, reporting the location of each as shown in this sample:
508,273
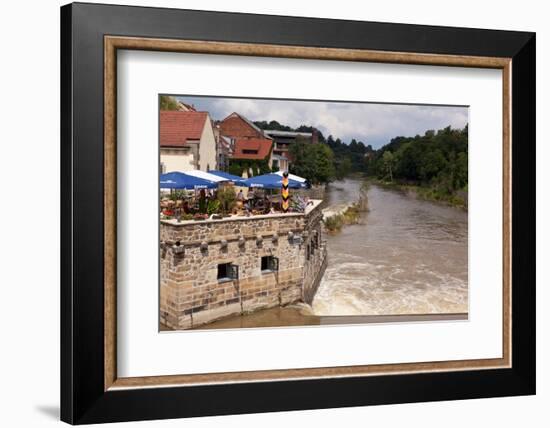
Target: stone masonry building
215,268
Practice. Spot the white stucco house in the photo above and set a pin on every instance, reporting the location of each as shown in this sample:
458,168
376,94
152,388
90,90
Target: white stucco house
187,141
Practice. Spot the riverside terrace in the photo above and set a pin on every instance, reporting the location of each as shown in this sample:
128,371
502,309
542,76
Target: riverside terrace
220,267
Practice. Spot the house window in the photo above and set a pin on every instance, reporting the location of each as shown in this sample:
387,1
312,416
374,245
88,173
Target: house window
162,168
250,152
276,164
308,252
228,272
270,264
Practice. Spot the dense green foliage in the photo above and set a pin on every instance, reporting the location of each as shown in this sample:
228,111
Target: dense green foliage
254,166
436,160
213,206
227,197
316,162
348,157
322,165
168,103
274,125
312,161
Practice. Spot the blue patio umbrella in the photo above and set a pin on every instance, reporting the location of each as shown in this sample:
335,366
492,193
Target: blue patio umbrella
234,178
271,181
179,180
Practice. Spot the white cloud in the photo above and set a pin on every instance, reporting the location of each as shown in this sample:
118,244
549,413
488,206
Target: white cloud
374,124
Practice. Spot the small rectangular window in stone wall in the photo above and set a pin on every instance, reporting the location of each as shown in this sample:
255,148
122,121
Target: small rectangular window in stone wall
224,271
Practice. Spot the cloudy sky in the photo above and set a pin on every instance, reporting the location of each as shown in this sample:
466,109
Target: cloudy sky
374,124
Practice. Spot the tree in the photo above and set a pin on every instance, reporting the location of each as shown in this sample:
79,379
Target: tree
389,161
324,163
407,167
431,164
168,103
303,161
312,129
273,125
437,160
314,162
343,166
461,171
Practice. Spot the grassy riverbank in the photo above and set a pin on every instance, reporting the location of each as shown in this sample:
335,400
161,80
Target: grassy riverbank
457,199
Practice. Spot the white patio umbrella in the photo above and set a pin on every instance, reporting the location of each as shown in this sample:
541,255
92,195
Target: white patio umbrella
206,176
292,176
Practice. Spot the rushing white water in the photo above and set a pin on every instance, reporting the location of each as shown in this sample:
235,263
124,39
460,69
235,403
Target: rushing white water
407,256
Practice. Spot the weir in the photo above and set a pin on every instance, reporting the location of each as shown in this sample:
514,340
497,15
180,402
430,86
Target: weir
216,268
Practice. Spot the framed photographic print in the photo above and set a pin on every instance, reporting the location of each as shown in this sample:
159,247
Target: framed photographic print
265,213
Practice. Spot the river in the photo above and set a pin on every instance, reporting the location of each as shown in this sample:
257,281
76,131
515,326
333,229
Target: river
406,260
406,256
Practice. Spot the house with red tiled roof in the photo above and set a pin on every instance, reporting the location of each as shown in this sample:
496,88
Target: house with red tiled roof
252,148
187,141
255,153
250,144
237,126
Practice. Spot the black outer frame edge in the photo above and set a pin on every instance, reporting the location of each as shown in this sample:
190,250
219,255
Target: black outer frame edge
524,213
299,31
168,403
66,316
82,397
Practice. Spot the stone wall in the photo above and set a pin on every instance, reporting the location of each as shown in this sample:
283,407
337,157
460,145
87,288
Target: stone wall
191,292
315,254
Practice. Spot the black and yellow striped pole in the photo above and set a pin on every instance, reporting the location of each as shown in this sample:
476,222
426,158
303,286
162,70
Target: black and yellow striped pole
284,193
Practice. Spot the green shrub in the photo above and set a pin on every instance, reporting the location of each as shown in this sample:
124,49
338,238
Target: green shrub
213,207
351,214
177,195
334,223
227,198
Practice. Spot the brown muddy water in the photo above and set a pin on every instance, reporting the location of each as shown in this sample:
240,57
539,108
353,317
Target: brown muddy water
408,256
406,260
